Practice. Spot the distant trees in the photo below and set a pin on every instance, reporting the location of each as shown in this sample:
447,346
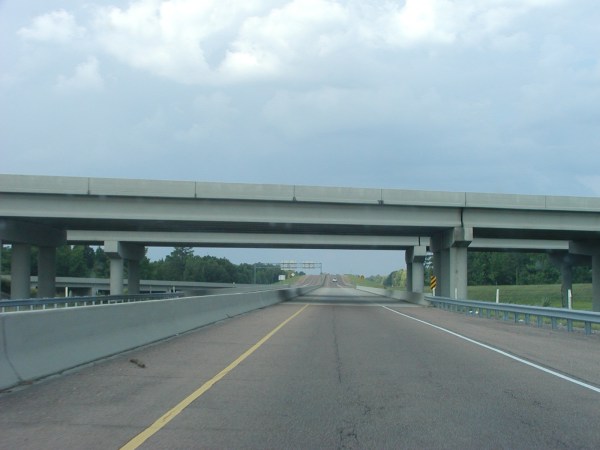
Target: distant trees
180,265
396,279
498,268
71,261
508,268
183,265
484,268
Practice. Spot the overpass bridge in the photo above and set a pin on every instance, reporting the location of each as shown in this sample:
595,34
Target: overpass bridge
126,215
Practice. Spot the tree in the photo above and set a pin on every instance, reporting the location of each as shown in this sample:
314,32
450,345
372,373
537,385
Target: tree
509,268
244,274
101,266
175,263
396,278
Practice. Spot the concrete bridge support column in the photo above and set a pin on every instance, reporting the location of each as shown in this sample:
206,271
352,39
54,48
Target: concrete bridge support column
1,244
116,275
20,268
22,235
452,247
47,272
458,272
133,284
437,269
566,276
444,278
118,252
415,272
590,248
596,282
565,262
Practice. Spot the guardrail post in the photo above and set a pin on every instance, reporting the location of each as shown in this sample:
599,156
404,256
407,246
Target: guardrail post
556,316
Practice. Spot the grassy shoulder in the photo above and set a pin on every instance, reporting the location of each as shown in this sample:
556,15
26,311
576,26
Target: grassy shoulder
358,281
534,295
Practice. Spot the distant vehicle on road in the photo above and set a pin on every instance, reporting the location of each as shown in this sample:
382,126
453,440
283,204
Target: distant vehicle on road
334,280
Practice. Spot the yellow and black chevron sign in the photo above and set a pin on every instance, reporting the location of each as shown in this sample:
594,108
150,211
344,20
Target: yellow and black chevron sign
433,282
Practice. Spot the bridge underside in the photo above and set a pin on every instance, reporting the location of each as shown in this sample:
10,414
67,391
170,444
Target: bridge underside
126,215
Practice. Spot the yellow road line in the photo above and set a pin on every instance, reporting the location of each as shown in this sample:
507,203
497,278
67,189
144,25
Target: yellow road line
172,413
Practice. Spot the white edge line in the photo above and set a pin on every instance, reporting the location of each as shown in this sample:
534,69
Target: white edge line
508,355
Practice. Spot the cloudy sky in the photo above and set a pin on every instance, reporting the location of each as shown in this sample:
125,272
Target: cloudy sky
458,95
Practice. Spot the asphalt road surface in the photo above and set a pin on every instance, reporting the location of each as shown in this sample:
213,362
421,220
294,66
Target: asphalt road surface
342,370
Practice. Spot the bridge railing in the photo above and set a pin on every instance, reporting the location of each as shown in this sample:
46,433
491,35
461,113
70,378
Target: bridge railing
519,313
67,302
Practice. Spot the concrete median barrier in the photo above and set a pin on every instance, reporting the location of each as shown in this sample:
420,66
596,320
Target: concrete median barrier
37,344
411,297
8,377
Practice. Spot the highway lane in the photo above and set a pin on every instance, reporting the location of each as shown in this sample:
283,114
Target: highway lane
343,373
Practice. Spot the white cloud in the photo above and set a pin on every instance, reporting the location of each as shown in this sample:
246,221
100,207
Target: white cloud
86,77
418,21
172,39
299,30
56,26
216,42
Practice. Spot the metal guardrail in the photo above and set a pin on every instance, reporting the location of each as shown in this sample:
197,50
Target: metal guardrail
68,302
519,312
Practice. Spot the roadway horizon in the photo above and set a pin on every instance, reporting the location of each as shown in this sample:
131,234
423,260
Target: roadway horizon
351,262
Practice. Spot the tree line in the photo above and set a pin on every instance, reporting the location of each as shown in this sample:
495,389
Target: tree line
180,265
484,268
498,268
509,268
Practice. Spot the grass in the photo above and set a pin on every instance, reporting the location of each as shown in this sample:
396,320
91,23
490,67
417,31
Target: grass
356,280
547,295
534,295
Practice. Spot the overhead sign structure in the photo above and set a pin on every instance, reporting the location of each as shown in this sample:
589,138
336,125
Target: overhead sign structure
293,265
289,265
